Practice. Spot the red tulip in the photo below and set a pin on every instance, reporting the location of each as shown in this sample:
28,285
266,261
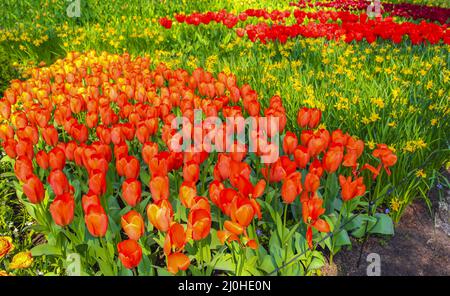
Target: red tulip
42,159
199,222
58,182
88,200
333,158
351,189
290,142
131,191
191,172
96,220
23,168
292,187
62,209
301,157
57,158
130,253
97,182
34,189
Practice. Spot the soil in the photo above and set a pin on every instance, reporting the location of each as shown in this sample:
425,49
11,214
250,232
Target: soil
418,248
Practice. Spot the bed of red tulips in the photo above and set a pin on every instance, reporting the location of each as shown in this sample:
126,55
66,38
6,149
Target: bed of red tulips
406,10
334,25
89,138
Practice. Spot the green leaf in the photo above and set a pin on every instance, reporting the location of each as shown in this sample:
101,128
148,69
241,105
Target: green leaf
267,264
342,239
384,225
45,249
225,263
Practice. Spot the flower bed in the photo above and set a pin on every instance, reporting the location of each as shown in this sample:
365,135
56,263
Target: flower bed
92,140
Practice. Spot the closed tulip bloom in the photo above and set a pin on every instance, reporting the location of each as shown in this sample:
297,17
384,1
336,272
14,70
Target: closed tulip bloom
97,182
188,192
58,182
315,116
312,182
132,191
50,135
215,187
290,142
23,168
42,159
292,187
303,117
350,188
34,189
191,172
301,157
333,158
199,221
62,209
133,225
88,200
57,158
159,188
130,253
130,167
149,150
160,215
96,220
176,262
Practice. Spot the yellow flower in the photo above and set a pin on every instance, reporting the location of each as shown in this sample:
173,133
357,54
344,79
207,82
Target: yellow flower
395,204
433,121
371,144
21,260
420,173
6,245
4,273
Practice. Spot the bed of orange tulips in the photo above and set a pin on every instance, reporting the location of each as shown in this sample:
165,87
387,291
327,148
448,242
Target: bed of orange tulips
90,138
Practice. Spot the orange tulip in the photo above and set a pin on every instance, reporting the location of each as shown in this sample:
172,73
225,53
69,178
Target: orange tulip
312,182
58,182
188,192
177,261
62,209
290,142
301,157
132,191
96,220
351,189
191,172
133,225
34,189
160,215
57,158
175,239
199,221
130,253
292,187
159,187
333,158
311,211
315,116
89,199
